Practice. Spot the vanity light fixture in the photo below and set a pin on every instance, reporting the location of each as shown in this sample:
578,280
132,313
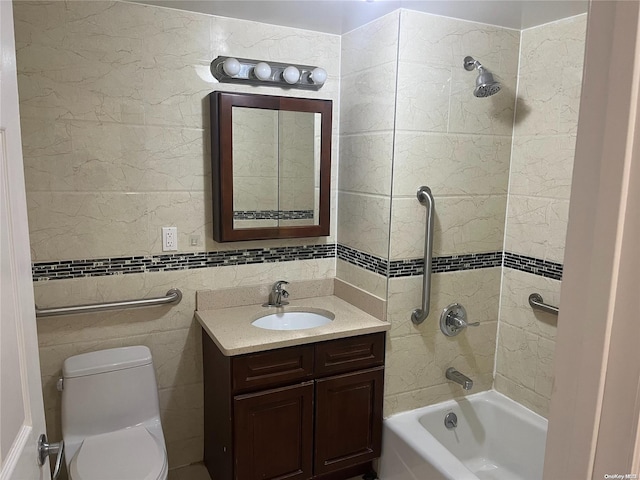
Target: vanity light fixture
291,75
273,74
231,66
318,75
262,71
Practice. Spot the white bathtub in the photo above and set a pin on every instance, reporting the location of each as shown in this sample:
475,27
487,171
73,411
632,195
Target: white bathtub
496,439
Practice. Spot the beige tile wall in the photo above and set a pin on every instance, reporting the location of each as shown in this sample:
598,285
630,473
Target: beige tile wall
460,147
549,77
417,356
449,140
115,122
172,334
367,102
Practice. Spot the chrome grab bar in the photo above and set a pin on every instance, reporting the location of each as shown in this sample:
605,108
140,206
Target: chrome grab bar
173,296
536,302
419,314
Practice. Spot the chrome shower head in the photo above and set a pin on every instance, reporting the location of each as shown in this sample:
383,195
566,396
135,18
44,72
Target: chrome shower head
486,85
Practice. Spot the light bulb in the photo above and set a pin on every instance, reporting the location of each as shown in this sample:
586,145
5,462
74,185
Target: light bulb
291,75
318,76
231,66
262,71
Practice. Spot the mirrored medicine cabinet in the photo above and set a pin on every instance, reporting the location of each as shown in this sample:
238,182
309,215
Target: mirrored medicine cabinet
271,166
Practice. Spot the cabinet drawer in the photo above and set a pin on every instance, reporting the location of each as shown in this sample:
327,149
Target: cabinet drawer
348,354
272,368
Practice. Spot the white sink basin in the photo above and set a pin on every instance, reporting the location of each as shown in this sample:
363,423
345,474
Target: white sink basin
294,320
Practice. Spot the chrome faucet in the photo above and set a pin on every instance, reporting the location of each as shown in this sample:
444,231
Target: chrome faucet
276,295
455,376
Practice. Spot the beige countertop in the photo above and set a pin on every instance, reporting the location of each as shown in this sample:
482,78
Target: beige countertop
231,329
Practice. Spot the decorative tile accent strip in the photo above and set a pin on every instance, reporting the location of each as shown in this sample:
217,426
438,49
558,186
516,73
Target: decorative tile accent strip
453,263
272,214
177,261
536,266
364,260
185,261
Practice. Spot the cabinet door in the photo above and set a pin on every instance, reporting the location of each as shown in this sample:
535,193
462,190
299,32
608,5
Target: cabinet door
274,434
348,419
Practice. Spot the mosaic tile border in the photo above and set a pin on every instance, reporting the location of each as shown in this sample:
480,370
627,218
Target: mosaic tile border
65,269
451,263
272,214
536,266
408,268
363,260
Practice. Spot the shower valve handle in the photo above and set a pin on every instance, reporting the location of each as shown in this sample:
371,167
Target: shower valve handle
454,320
460,323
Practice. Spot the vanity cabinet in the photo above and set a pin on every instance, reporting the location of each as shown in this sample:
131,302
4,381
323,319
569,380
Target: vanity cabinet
305,412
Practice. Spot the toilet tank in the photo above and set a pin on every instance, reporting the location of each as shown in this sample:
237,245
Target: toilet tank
108,390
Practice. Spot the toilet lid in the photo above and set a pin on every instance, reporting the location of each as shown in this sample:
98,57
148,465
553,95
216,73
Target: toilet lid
128,454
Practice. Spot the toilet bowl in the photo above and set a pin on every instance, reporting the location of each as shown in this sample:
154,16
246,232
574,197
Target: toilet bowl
111,416
131,453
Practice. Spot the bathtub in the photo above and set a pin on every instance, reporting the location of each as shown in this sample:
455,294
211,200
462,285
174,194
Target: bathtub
496,439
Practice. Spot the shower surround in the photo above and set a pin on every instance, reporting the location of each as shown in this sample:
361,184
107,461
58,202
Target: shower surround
418,123
544,139
409,118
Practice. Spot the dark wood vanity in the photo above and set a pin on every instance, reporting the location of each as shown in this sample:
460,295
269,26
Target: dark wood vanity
301,412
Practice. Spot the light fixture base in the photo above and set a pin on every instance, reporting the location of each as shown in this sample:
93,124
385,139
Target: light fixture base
246,75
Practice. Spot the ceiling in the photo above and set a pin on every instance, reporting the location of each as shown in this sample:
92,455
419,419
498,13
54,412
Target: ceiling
341,16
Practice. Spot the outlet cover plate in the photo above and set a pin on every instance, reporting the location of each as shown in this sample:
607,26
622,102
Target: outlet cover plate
169,239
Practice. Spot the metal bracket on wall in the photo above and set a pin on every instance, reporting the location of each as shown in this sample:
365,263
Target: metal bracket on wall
537,303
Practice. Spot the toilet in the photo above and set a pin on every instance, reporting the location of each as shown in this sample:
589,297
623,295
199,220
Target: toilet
111,416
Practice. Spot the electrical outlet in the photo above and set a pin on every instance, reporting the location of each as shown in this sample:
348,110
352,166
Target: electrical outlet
169,239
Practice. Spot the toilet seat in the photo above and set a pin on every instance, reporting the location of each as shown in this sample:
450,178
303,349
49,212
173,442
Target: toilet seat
128,454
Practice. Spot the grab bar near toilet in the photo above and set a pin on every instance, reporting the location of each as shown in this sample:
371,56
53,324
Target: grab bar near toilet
420,314
173,296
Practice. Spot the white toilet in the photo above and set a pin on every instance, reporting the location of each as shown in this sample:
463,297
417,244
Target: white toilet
111,417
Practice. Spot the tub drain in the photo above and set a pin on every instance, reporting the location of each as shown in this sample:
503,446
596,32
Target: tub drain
451,420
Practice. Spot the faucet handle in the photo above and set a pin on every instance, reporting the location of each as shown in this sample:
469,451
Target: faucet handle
461,323
454,319
276,295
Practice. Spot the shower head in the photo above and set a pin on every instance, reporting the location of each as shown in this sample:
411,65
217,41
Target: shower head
486,85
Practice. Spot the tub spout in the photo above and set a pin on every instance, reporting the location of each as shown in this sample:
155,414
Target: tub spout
455,376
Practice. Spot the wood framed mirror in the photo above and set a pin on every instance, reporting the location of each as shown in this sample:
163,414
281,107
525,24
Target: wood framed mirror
271,166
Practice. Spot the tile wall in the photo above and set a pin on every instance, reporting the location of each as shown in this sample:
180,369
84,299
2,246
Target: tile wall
367,123
459,146
115,125
115,131
549,85
416,122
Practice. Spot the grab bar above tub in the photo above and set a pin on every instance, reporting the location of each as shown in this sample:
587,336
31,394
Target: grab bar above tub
536,302
173,296
419,314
